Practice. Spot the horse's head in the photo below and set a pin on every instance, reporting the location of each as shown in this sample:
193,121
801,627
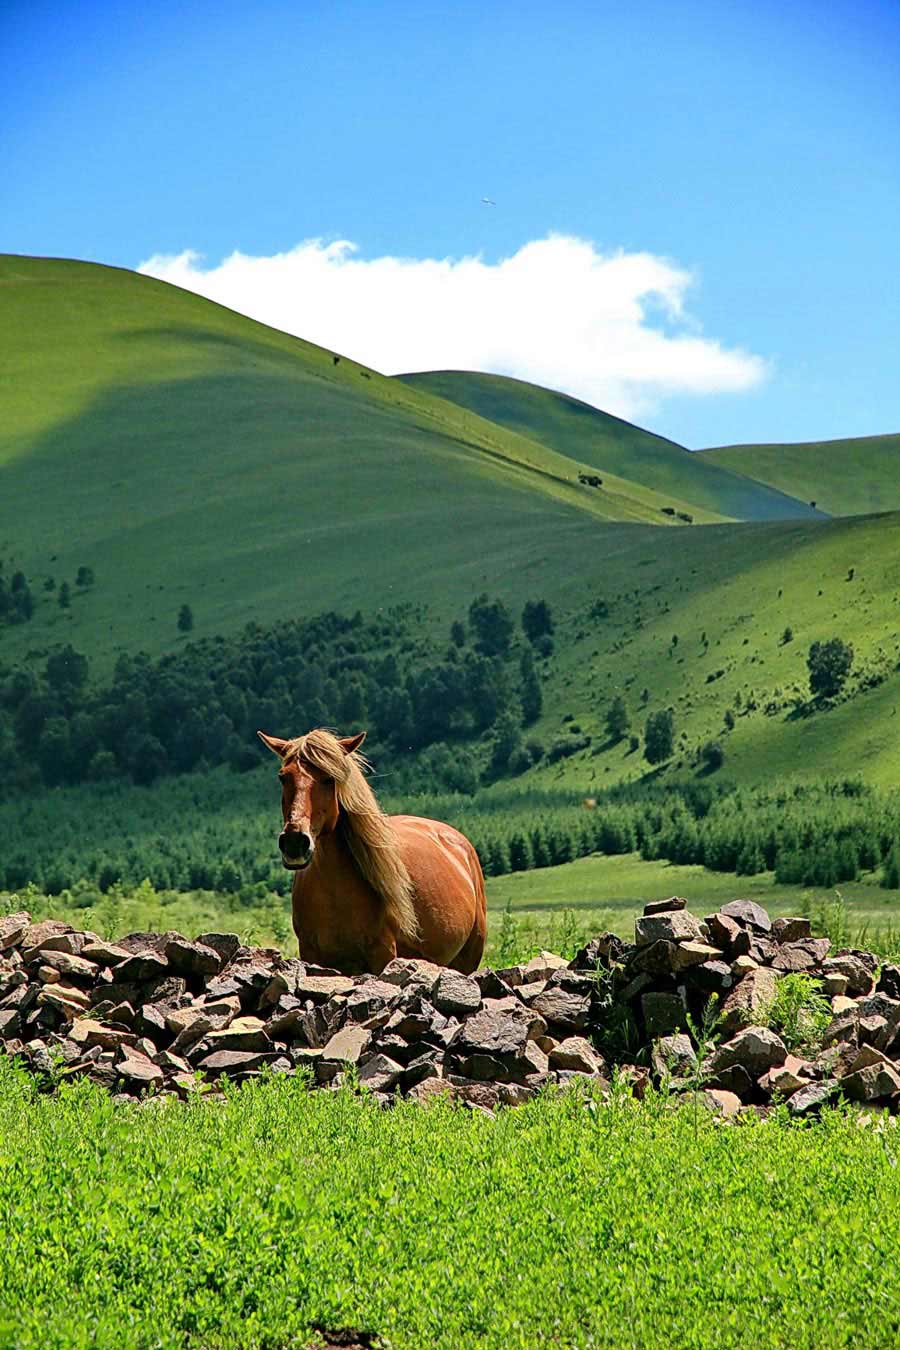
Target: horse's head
309,799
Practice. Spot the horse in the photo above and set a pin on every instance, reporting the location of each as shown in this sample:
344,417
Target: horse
369,887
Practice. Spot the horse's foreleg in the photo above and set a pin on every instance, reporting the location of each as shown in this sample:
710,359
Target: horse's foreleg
382,951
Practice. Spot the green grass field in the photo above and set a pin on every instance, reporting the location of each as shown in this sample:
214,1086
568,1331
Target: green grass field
243,1224
611,445
843,477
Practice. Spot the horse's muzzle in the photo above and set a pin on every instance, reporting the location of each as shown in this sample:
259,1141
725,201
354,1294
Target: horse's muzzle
296,849
296,864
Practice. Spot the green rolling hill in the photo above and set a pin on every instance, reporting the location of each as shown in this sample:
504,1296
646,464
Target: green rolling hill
843,477
189,455
612,445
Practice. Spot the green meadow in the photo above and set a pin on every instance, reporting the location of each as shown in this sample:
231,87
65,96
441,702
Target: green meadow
247,1223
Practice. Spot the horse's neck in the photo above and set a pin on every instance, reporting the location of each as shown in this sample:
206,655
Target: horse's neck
338,865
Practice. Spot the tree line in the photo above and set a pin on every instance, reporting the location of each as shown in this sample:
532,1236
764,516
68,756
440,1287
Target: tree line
465,702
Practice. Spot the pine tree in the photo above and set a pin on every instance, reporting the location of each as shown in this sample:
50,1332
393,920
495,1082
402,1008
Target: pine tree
530,689
890,879
659,737
618,722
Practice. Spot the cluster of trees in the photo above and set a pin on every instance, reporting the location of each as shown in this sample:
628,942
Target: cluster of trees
17,602
467,704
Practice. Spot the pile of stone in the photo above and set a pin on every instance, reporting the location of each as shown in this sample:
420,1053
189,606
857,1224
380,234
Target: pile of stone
161,1013
665,982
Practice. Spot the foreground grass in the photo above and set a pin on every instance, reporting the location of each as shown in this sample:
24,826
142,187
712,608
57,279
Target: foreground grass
244,1223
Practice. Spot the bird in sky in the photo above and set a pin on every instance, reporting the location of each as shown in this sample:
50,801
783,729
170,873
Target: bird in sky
488,201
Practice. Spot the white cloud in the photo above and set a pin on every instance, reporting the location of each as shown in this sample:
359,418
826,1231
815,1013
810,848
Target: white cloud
609,328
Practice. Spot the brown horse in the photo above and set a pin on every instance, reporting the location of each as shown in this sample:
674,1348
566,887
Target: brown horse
369,887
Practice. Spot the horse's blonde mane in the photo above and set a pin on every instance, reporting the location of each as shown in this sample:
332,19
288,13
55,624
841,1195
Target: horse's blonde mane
369,833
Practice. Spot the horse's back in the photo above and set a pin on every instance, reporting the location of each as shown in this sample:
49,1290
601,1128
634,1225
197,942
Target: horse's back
448,887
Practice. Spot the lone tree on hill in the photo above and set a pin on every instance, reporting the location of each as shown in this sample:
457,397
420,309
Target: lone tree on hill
829,665
659,737
617,719
185,619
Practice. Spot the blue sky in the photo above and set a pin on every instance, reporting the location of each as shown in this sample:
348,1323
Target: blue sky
740,160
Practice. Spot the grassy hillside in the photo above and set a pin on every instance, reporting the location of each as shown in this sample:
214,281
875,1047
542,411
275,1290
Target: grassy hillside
728,595
189,455
843,477
611,445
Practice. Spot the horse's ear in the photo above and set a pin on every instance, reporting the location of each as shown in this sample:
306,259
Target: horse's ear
274,743
350,743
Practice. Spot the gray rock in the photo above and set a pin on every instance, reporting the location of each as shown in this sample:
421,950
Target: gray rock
560,1008
243,1033
138,1072
811,1099
723,931
86,1032
542,966
756,1049
873,1082
232,1062
672,926
711,977
192,958
577,1053
225,944
665,906
664,1013
370,998
453,993
347,1045
283,983
806,954
141,967
411,974
320,988
380,1073
491,985
674,1056
791,930
856,972
843,1027
657,959
889,981
750,996
13,928
495,1032
749,913
104,953
599,954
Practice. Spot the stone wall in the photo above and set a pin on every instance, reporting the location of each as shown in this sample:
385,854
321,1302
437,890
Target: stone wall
156,1012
